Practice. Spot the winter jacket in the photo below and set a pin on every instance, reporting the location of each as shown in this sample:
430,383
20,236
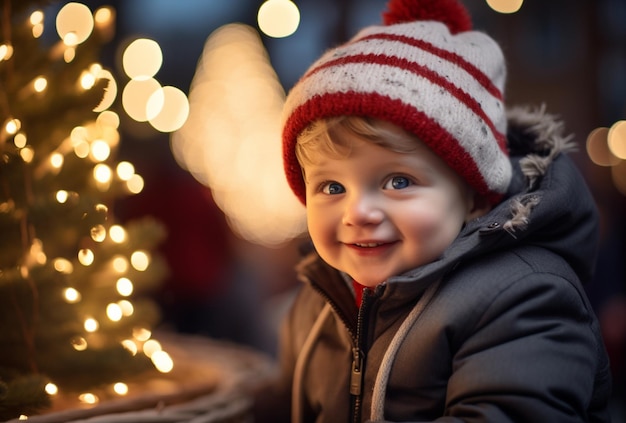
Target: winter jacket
498,329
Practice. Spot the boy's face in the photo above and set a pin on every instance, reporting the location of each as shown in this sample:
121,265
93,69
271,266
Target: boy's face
379,213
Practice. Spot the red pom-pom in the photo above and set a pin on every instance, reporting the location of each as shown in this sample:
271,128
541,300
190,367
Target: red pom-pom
450,12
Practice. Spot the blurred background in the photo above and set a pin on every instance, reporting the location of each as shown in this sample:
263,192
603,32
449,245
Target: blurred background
231,262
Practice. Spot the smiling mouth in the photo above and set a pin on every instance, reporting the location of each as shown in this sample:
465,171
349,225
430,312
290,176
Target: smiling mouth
368,244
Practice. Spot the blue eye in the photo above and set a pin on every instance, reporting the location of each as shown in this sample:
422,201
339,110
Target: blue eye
333,188
398,182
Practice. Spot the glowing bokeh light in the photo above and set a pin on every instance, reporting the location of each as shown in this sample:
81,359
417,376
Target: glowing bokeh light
231,140
505,6
91,324
110,92
86,257
135,97
598,148
74,23
114,312
125,170
169,108
117,234
124,287
140,260
120,264
98,233
120,388
71,295
88,398
64,266
617,139
51,388
142,59
40,84
162,361
278,18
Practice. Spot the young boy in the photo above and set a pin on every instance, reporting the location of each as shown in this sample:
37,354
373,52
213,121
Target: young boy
451,240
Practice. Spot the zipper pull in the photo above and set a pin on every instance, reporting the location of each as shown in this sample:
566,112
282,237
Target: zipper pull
356,377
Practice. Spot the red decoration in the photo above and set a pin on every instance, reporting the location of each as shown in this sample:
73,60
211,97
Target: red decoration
450,12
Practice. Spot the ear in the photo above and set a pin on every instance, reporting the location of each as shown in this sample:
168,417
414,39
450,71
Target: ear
479,206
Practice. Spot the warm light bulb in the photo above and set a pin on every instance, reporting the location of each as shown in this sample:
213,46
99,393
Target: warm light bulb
64,266
79,343
120,388
142,59
127,307
62,196
102,173
125,170
120,264
505,6
162,361
12,126
141,334
151,346
117,234
87,80
51,388
74,23
86,257
135,184
56,160
114,312
100,150
27,154
91,324
130,346
71,295
98,233
6,51
278,18
140,260
124,287
40,84
20,140
169,108
89,398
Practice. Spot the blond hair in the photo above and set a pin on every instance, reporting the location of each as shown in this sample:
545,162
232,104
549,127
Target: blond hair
330,138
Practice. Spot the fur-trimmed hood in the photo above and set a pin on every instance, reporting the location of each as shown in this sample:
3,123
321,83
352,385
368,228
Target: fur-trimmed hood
548,203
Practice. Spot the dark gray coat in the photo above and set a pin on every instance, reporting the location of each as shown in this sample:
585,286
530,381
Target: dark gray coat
499,329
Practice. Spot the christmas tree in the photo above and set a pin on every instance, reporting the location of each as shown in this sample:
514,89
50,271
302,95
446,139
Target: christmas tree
73,281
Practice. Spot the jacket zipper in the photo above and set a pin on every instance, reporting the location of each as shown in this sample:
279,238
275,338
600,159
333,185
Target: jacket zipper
358,358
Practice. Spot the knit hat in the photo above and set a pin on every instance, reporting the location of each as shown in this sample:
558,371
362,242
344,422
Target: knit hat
424,70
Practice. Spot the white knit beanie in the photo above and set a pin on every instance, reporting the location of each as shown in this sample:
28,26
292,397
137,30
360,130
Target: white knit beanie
426,71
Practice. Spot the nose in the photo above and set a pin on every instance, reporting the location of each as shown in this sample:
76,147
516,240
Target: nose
362,209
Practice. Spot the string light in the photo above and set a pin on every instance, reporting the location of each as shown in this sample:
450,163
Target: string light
120,388
51,388
117,234
98,233
79,343
140,260
88,398
6,52
114,312
74,23
71,295
124,287
505,6
91,324
120,264
278,18
64,266
86,257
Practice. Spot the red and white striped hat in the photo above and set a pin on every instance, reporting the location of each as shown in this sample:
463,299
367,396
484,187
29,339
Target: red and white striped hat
426,71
